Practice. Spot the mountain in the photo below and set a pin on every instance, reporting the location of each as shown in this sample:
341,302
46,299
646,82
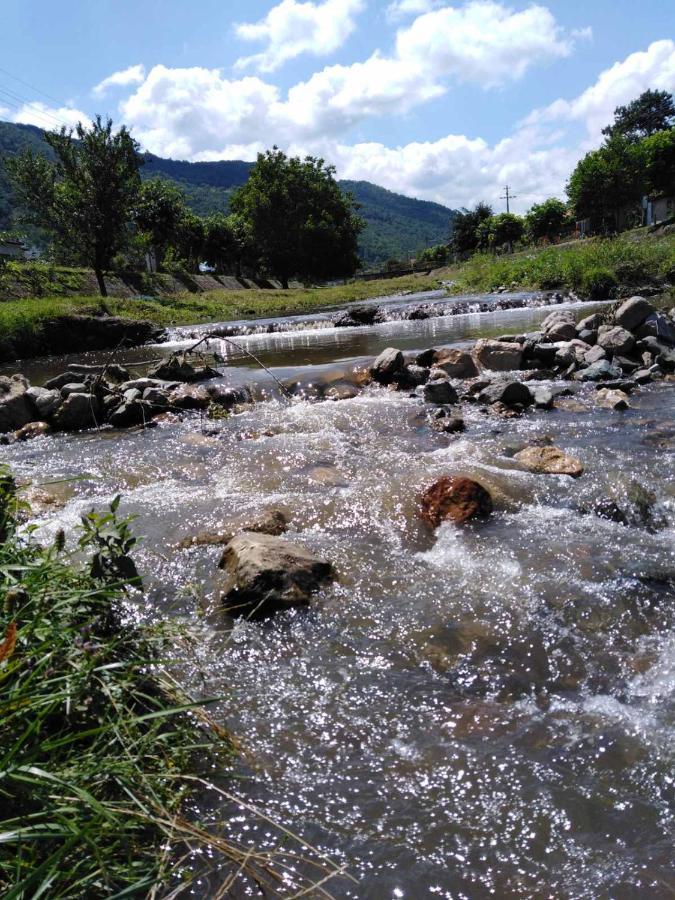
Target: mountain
396,226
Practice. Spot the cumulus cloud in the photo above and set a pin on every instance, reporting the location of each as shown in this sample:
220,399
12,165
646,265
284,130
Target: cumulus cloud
399,9
652,68
292,28
48,117
124,78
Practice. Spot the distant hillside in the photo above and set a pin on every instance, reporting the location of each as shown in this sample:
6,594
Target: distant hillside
397,226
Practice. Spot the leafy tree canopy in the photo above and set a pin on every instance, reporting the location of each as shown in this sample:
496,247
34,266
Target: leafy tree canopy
659,162
464,238
301,222
501,230
649,113
86,195
547,220
158,211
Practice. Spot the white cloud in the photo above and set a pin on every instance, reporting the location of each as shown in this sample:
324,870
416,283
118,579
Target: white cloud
124,78
402,8
48,117
652,68
292,28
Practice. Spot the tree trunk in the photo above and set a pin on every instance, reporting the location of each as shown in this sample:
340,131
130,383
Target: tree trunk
284,282
101,282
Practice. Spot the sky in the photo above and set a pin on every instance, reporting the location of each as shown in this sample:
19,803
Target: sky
436,100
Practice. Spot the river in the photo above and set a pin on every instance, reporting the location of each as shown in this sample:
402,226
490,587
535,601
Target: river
481,712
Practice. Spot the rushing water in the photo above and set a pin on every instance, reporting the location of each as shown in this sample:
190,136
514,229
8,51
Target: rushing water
487,711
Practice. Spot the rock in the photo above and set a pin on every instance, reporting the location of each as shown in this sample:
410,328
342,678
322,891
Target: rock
132,394
615,339
542,396
32,430
45,401
450,424
228,397
599,371
265,573
78,411
611,399
588,336
510,393
110,372
440,392
625,364
608,509
359,315
414,375
497,355
189,396
549,461
633,312
659,326
595,354
387,365
59,381
16,405
156,398
642,376
132,411
559,326
455,499
455,363
342,391
177,368
141,384
591,323
74,387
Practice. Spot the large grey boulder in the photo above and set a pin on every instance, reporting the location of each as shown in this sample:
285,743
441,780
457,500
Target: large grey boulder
659,326
455,363
595,354
16,406
387,365
559,326
439,391
510,393
602,370
78,411
265,574
591,323
615,339
498,355
45,401
132,411
633,312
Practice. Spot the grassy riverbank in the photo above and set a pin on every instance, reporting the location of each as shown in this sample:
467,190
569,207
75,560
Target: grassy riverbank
633,259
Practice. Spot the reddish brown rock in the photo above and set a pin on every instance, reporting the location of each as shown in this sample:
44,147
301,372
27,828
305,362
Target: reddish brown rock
456,499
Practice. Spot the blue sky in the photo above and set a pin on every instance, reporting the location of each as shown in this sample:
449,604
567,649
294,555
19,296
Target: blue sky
440,100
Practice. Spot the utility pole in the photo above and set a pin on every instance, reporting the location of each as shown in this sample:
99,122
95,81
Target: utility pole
508,196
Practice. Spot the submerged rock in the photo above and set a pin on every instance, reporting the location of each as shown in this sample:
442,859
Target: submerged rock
265,574
611,399
549,461
32,430
455,499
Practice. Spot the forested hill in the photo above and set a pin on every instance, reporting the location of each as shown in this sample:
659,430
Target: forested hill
397,226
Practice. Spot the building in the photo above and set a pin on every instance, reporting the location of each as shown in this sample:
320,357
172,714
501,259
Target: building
10,248
658,209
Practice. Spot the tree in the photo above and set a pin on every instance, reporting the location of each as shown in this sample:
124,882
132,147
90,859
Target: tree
86,196
651,112
547,220
499,231
158,211
659,162
434,256
606,182
300,220
464,237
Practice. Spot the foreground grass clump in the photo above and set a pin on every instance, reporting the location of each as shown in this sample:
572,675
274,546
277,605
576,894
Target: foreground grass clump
579,266
91,746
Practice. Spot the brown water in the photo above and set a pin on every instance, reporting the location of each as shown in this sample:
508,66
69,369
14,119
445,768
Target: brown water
484,712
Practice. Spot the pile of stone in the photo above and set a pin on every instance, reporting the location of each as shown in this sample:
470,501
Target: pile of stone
91,396
633,347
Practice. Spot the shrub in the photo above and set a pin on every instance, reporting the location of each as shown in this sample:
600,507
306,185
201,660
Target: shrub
598,284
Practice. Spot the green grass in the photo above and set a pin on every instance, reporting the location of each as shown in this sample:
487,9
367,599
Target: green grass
629,259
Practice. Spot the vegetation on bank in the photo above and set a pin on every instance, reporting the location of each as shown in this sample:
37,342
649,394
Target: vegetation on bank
591,267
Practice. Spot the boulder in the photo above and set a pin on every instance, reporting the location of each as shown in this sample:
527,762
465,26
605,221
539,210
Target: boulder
615,339
510,393
156,397
599,371
611,399
59,381
590,323
439,391
189,396
387,365
342,391
74,387
450,424
32,430
549,461
642,376
497,355
45,401
588,336
454,499
359,315
177,368
78,411
132,411
109,372
16,405
455,363
414,375
140,384
633,312
559,326
228,397
595,354
542,396
659,326
265,574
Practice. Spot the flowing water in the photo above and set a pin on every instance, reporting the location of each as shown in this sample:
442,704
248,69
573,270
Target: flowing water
481,712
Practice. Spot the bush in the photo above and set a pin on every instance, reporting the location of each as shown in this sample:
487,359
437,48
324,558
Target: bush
598,284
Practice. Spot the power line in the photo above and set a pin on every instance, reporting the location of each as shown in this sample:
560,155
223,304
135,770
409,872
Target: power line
508,197
32,87
17,98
